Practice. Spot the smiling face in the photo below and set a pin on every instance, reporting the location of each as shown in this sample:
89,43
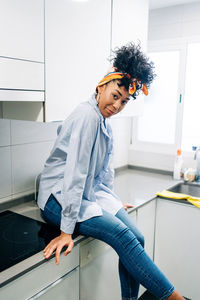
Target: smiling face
112,98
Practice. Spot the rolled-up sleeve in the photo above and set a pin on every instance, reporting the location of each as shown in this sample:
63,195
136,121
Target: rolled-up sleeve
79,152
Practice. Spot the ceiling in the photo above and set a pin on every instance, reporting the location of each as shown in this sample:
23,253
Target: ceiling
153,4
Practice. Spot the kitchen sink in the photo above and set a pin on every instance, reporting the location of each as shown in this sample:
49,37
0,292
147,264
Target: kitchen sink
191,189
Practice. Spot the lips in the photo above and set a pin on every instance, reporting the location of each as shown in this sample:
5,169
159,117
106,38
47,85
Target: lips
110,111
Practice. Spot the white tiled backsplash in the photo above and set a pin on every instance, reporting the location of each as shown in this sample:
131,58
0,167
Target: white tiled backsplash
24,148
5,171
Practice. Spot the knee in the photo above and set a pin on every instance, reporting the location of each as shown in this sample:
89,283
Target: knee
138,236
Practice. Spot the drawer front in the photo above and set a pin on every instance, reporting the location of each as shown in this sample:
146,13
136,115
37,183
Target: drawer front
16,95
39,278
18,74
66,287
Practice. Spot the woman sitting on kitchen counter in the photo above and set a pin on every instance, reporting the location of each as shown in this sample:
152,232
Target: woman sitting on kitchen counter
76,185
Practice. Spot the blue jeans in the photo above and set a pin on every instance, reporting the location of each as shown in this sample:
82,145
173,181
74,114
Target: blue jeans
120,232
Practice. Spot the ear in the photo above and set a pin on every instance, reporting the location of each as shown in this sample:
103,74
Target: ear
101,88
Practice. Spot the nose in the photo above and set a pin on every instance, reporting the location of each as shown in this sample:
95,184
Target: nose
117,105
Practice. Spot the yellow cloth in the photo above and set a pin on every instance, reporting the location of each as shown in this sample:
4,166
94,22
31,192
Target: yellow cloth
167,194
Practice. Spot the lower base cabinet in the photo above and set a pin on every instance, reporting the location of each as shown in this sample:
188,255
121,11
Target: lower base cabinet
177,245
47,280
146,224
145,221
99,277
65,288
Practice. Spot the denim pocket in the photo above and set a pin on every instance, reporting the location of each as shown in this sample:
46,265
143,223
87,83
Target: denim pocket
52,211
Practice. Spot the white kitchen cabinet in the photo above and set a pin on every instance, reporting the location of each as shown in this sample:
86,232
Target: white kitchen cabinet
22,29
99,277
99,262
177,245
65,288
21,50
77,44
144,217
39,278
133,215
130,24
21,80
146,224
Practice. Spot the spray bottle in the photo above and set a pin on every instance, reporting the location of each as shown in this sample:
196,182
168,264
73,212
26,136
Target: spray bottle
178,165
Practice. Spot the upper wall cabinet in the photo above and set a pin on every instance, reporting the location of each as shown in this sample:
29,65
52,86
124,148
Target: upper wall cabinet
21,80
22,50
77,45
78,38
129,22
22,29
17,74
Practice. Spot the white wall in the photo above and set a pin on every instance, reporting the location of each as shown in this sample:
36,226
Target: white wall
180,21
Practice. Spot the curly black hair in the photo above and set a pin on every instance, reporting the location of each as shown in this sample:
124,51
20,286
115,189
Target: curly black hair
131,60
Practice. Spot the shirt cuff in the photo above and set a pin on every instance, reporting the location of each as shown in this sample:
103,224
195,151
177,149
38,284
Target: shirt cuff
67,225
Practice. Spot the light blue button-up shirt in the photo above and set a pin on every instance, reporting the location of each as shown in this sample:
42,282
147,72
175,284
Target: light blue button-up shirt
79,171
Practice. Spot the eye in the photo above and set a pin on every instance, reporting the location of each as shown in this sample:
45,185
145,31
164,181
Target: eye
124,102
115,96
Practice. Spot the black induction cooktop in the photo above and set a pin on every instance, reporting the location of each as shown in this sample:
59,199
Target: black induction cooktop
22,237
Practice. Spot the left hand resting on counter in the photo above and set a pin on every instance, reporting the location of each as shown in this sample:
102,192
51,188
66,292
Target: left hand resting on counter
127,205
57,244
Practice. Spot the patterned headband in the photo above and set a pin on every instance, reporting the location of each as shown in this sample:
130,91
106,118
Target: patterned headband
118,75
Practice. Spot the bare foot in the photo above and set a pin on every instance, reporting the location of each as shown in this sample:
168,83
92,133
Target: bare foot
175,296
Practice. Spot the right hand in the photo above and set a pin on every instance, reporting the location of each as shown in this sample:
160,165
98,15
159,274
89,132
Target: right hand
64,239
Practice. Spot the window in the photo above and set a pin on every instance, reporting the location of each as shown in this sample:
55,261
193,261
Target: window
158,122
191,112
168,121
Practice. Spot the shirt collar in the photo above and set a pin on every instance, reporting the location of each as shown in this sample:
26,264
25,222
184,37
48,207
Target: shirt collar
94,103
104,121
